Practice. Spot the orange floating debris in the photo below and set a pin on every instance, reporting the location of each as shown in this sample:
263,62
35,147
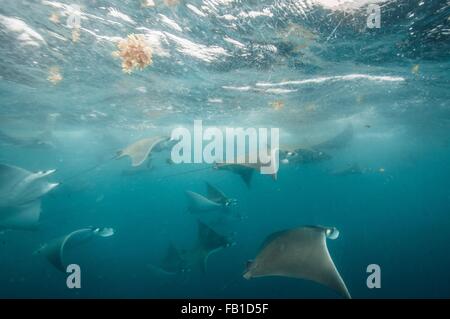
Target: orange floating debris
359,99
311,108
54,17
147,3
54,75
134,52
171,3
277,105
75,34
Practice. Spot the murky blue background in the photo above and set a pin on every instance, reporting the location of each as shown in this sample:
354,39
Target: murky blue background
307,67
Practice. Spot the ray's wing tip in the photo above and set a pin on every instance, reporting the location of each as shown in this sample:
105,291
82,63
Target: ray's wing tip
46,173
247,275
137,162
53,185
105,231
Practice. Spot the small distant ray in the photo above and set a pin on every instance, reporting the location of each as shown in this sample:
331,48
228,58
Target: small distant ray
299,253
353,169
296,155
291,154
214,209
199,203
39,141
139,152
184,261
173,261
55,249
214,200
245,170
209,241
218,196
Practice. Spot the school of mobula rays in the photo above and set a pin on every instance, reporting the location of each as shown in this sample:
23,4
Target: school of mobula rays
296,253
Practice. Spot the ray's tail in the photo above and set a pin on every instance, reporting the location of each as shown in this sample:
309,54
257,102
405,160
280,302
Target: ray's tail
94,167
184,173
89,169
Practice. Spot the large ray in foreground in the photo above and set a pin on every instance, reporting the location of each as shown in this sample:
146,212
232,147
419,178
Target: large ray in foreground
299,253
20,193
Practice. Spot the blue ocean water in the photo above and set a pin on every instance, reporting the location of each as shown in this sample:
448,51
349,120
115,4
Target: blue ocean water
312,68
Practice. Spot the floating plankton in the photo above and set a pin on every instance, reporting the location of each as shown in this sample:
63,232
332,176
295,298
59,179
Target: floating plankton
147,3
54,17
171,3
359,99
311,108
75,34
54,75
277,105
134,52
